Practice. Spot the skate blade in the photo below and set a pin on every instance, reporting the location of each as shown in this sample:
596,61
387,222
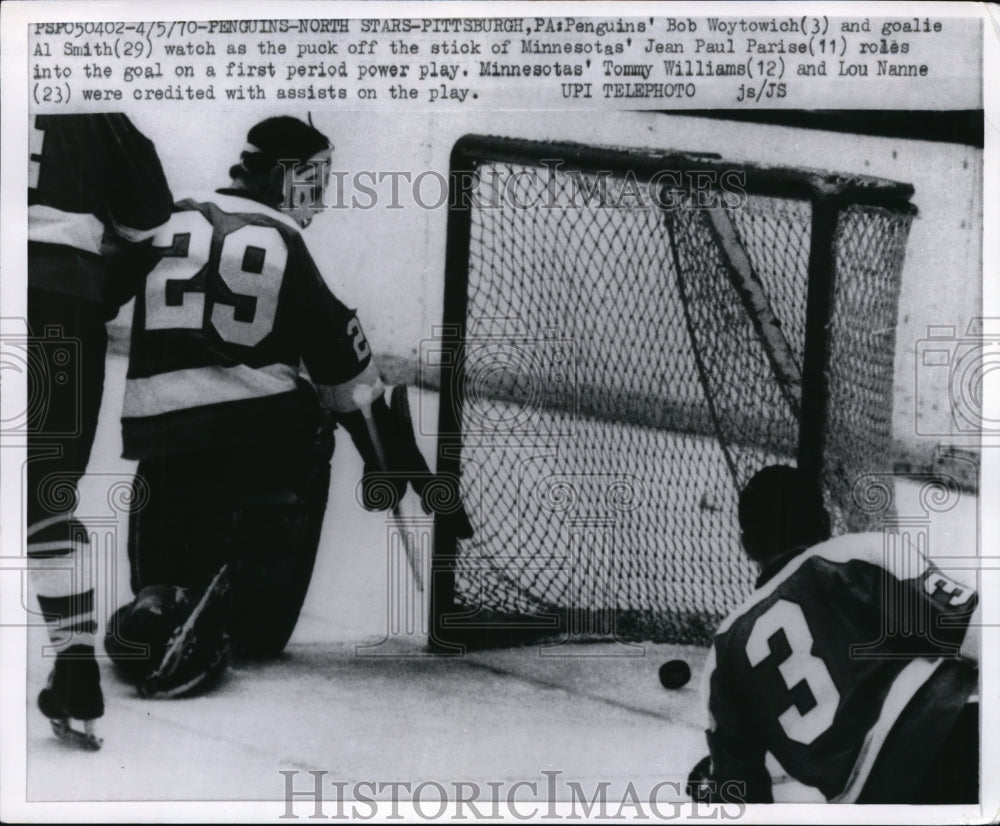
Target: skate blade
86,740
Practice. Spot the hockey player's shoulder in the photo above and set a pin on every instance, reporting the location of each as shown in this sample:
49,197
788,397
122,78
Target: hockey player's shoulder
880,549
868,548
236,204
891,551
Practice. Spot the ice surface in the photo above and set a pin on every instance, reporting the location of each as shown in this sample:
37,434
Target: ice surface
383,712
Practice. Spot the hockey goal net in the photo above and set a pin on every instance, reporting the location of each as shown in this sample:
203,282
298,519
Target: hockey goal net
628,336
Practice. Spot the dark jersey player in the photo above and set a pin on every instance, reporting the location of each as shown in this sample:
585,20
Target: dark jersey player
240,356
92,178
846,664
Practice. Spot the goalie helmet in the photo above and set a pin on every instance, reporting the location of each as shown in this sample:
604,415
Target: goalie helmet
140,633
264,168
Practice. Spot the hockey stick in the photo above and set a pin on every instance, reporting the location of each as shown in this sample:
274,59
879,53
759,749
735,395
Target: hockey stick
397,514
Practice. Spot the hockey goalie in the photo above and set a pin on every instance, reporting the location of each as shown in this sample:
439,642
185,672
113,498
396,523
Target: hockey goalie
233,438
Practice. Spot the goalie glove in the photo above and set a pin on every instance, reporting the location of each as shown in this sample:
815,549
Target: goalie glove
383,435
438,494
383,482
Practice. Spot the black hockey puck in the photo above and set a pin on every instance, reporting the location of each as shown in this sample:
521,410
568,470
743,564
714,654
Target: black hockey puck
675,673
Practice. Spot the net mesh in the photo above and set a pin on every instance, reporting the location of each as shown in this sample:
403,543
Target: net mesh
615,395
869,247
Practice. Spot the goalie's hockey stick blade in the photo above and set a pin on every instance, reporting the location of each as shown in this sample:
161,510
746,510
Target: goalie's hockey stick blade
86,740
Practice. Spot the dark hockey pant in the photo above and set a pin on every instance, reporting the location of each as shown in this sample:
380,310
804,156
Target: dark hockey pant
260,509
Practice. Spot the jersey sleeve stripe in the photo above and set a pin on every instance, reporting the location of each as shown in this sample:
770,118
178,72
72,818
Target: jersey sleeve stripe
133,234
49,521
66,606
905,686
202,386
57,548
48,225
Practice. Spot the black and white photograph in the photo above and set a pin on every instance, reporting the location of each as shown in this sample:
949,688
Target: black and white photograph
499,412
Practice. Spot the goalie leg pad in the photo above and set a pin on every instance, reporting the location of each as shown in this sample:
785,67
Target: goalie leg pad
258,511
180,522
275,541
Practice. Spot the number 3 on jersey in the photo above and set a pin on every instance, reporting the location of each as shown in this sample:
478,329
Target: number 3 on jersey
251,266
801,665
